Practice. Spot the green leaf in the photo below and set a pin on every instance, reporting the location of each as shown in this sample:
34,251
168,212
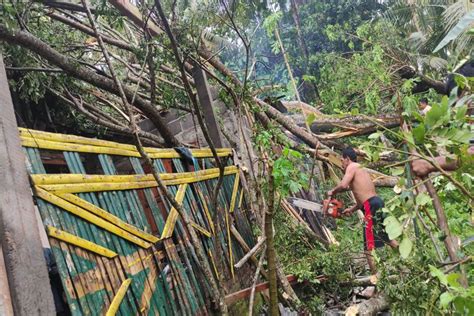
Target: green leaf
408,137
452,279
445,299
462,136
374,135
423,199
461,112
392,227
457,30
419,134
438,274
405,247
397,171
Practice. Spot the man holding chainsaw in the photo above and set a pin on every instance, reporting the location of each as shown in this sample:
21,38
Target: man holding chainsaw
358,180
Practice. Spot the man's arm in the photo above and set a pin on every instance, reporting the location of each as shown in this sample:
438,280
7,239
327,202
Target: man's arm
345,182
348,211
423,167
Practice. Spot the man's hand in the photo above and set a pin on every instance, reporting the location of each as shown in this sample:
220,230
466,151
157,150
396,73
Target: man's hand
330,193
421,167
348,211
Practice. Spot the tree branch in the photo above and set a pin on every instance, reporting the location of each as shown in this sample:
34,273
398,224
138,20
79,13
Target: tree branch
72,68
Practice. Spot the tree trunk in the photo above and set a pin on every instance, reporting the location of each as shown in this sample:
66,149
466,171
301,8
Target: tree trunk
369,307
271,255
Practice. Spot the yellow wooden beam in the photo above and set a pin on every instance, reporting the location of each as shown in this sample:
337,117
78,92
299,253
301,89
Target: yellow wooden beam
79,242
55,141
114,186
97,187
234,192
213,263
66,138
115,304
201,178
173,214
92,218
229,241
241,198
206,211
108,217
201,229
46,144
47,179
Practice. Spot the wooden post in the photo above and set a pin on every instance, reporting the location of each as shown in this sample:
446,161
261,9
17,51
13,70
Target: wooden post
19,236
205,100
5,300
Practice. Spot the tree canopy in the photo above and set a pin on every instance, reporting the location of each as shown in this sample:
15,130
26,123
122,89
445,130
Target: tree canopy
299,80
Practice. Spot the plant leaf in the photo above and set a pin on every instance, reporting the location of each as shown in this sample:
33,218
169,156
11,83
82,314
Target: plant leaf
405,247
392,227
422,199
445,299
463,24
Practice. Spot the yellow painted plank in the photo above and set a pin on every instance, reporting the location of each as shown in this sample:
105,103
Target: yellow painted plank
114,186
213,263
160,254
115,304
44,179
46,144
203,153
234,192
206,211
66,138
92,218
97,187
108,217
79,242
199,178
229,241
241,198
173,214
201,229
55,141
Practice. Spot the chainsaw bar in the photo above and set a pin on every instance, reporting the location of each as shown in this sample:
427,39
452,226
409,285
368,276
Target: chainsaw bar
305,204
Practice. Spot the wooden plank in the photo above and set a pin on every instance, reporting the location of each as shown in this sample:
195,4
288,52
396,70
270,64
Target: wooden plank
53,199
231,298
108,216
80,242
205,100
6,307
229,242
56,141
234,192
114,306
23,255
173,215
50,179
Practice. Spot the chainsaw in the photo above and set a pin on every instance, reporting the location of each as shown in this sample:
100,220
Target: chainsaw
331,207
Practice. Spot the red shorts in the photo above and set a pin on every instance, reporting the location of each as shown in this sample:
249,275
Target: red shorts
374,232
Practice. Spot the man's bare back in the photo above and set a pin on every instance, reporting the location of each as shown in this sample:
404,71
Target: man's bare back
361,184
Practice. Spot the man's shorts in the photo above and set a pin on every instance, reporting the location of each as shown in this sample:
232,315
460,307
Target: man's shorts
374,232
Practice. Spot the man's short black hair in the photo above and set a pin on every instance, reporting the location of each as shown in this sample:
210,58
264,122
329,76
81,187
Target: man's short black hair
350,153
424,100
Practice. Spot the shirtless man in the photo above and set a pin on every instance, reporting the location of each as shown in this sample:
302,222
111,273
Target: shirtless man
360,183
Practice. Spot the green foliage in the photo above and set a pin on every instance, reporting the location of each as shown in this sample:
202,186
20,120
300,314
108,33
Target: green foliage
357,81
287,172
455,295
